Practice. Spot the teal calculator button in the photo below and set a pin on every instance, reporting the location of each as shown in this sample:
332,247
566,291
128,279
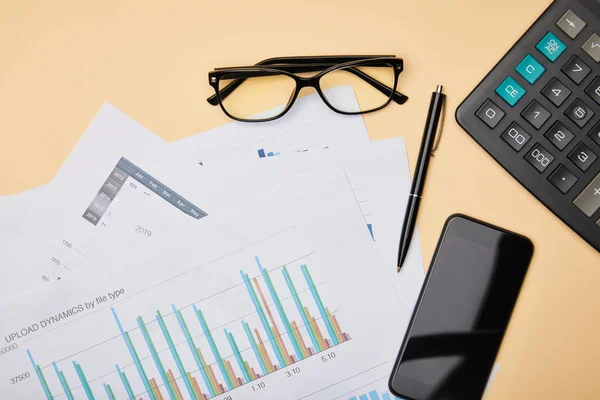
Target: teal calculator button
510,91
530,69
551,47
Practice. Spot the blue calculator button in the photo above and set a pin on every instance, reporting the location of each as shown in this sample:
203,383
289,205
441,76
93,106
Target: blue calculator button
551,47
530,69
510,91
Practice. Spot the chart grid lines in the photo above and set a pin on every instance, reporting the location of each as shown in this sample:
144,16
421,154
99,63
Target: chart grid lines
159,355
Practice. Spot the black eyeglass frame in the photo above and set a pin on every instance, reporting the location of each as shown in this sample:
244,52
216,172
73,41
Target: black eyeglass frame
290,66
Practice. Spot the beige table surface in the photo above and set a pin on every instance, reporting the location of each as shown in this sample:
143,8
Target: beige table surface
59,61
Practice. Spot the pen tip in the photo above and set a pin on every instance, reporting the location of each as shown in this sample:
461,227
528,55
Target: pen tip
439,89
398,269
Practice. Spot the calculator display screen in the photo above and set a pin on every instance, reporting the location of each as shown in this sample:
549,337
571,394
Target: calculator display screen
463,311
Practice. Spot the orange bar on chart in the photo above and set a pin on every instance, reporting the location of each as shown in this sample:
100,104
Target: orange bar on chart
211,375
300,339
253,373
154,387
172,379
336,327
196,387
263,352
231,373
275,331
313,323
280,342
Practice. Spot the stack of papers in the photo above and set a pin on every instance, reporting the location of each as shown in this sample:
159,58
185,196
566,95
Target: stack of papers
250,261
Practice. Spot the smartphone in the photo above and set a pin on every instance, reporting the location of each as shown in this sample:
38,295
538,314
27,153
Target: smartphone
462,312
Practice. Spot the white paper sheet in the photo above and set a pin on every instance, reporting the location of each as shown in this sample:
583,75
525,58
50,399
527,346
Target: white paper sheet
75,328
14,210
66,242
308,126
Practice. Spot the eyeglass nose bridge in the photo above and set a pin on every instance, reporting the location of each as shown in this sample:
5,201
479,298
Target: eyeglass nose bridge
303,82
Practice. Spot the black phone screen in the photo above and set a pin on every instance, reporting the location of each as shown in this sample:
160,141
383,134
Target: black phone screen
469,294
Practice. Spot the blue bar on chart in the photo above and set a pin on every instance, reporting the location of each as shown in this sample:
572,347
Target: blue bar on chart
370,227
262,154
374,395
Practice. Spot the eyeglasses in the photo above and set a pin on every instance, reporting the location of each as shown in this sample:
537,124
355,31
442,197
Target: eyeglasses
238,90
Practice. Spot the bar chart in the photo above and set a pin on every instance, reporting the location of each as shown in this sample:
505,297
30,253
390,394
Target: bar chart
283,316
374,395
168,361
263,154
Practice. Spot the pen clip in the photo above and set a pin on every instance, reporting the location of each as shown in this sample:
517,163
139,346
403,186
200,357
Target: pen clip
441,127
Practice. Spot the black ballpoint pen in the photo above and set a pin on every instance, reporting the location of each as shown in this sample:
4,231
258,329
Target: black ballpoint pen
427,148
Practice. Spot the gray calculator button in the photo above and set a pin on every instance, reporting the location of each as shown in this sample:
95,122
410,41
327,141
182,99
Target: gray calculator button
559,135
598,223
539,157
592,47
588,200
582,156
579,113
595,134
556,92
535,114
571,24
593,90
490,113
576,69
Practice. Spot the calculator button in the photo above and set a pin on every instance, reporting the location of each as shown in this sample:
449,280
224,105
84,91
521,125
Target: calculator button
576,69
571,24
515,136
582,156
535,114
490,113
592,47
593,90
510,91
556,92
539,157
579,113
595,134
588,200
551,47
530,69
559,135
598,222
562,179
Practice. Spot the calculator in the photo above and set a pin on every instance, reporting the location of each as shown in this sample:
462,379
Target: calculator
537,113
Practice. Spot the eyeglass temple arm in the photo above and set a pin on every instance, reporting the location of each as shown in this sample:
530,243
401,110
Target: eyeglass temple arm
396,96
